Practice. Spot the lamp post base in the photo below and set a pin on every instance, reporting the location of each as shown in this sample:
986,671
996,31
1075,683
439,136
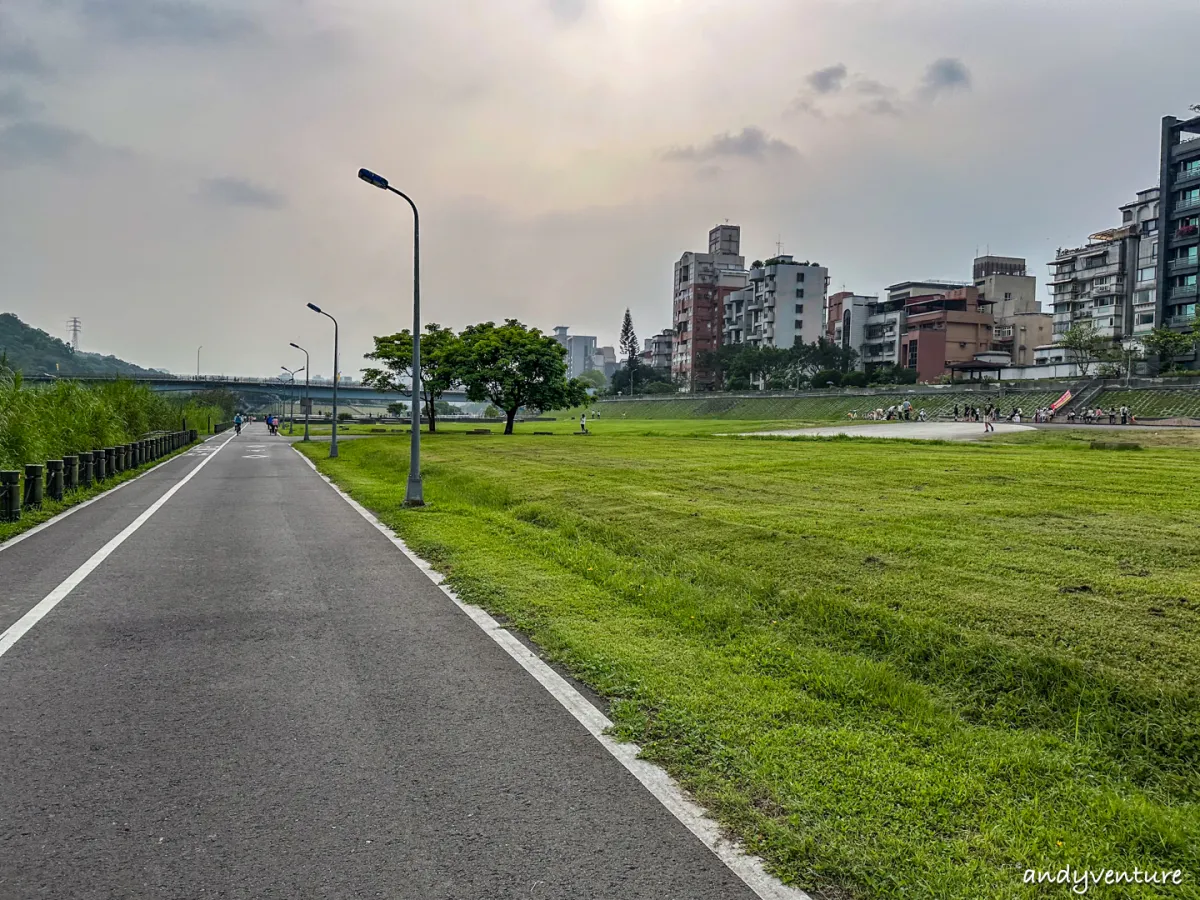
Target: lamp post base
414,494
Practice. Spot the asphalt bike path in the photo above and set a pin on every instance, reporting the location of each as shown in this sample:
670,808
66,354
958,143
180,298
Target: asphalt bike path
256,694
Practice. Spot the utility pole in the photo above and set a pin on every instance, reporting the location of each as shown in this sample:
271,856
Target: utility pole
75,327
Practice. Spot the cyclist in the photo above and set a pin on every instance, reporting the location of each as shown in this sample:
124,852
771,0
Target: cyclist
237,424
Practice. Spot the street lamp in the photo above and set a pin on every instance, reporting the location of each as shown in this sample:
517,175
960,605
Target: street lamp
292,414
333,440
198,349
307,396
413,495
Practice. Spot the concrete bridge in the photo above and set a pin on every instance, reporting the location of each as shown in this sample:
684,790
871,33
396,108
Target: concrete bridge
265,388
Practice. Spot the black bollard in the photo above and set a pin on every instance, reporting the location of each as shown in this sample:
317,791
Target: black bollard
55,486
85,469
10,496
33,486
71,473
110,462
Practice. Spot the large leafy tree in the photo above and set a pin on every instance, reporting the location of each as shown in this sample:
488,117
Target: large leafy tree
513,366
439,365
1084,345
1166,345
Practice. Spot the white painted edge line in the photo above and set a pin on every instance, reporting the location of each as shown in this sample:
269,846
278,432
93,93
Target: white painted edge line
20,627
70,510
750,869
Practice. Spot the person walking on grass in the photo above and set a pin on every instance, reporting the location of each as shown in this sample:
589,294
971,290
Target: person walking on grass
989,416
583,423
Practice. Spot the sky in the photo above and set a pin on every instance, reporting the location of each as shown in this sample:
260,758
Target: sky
182,173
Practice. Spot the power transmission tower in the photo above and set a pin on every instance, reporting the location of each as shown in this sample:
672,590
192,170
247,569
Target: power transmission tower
75,326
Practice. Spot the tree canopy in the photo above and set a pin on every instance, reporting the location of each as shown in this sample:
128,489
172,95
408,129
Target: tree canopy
439,365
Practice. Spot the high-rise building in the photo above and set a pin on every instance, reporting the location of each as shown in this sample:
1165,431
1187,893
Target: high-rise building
1110,282
781,306
657,352
701,283
1179,222
846,315
941,329
580,350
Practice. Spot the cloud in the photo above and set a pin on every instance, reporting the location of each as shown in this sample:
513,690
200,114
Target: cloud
239,192
568,12
881,106
20,57
828,80
187,22
750,143
942,76
41,143
14,104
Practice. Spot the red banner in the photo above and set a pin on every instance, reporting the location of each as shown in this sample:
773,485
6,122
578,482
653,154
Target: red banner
1061,401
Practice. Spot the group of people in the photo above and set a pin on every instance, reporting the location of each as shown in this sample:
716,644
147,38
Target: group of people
1097,416
272,423
900,411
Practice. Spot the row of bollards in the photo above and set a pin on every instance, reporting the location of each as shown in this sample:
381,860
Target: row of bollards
60,477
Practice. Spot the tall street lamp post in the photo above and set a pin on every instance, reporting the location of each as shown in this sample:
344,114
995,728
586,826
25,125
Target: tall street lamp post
198,349
333,440
292,399
307,396
413,495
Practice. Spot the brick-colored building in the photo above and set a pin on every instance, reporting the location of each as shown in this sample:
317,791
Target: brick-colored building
702,282
945,328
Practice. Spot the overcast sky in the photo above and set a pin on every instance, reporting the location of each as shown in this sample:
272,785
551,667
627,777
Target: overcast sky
182,172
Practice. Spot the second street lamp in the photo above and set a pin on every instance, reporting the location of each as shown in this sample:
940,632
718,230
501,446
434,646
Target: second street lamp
307,395
413,494
292,399
333,440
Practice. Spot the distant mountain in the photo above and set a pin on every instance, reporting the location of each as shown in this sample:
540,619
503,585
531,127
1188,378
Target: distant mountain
31,351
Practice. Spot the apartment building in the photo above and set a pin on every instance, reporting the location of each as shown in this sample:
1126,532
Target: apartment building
657,350
783,304
945,328
1110,282
1179,221
702,281
882,330
580,350
1020,325
846,318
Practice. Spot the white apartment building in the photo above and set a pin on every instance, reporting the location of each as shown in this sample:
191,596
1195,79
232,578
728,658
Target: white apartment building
1110,282
784,304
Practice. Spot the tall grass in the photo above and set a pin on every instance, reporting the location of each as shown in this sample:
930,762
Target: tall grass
47,422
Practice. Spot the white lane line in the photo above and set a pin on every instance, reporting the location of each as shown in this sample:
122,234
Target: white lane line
750,869
71,510
18,629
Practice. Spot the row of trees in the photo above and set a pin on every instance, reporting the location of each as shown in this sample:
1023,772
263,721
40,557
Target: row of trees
510,366
1087,348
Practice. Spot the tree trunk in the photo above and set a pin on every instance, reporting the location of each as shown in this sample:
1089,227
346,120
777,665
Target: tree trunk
429,406
508,426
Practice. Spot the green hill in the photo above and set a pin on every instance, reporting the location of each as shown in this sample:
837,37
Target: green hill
31,351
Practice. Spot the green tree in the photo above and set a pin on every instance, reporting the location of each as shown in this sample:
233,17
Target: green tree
513,366
397,409
439,360
629,349
1166,345
594,378
1084,345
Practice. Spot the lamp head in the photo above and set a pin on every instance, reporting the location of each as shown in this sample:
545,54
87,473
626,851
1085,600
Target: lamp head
294,344
371,178
314,307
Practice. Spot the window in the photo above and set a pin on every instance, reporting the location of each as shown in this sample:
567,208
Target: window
1192,165
799,324
800,308
799,292
1127,216
1189,196
1008,295
1144,318
1150,227
912,354
1146,274
1142,298
1154,249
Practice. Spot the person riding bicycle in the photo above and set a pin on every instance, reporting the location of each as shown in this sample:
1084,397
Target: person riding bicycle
237,424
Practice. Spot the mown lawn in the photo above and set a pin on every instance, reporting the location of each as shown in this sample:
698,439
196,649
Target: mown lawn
892,669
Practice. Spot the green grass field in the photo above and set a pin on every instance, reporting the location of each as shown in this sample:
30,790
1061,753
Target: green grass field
893,669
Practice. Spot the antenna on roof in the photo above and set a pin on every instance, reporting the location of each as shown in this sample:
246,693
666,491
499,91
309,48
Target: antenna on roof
779,246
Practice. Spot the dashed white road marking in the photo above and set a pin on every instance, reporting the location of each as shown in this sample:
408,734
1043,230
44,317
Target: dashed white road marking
748,868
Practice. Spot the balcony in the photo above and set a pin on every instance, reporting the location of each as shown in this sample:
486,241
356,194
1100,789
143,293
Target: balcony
1178,321
1186,205
1116,286
1185,148
1188,176
1102,312
1187,262
1183,292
